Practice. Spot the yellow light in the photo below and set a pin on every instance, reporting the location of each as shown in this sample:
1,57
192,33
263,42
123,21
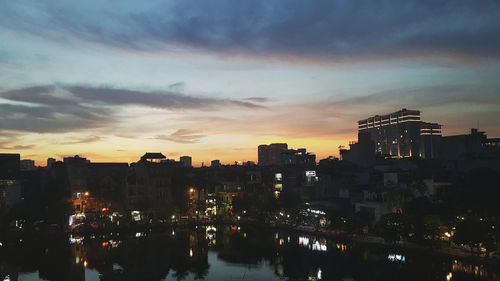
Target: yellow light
449,276
85,264
86,193
191,190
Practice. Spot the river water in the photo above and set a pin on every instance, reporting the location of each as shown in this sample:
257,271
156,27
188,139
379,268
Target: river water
225,253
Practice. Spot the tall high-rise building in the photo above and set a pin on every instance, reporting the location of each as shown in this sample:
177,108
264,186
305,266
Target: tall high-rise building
399,134
186,161
430,140
271,154
50,162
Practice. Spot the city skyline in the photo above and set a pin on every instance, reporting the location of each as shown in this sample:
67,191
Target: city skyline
111,81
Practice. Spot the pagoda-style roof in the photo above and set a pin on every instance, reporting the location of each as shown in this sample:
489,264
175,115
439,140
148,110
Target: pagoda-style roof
153,155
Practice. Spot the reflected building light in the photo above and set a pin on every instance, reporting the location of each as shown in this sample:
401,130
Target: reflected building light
190,252
114,243
319,246
304,241
282,241
75,240
449,276
396,258
341,247
319,274
477,270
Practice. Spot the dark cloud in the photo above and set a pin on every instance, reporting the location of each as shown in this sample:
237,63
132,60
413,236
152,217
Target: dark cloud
427,96
165,99
50,118
319,29
183,136
11,141
65,108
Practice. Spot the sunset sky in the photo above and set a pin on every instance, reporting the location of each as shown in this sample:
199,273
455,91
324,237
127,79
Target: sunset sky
110,80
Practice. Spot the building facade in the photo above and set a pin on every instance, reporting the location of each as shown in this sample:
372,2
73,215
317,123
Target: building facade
401,134
271,154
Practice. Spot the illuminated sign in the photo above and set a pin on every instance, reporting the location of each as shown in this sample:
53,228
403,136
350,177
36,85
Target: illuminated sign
310,173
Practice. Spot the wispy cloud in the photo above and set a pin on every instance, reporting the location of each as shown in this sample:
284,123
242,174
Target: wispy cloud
85,140
161,99
183,136
63,108
11,141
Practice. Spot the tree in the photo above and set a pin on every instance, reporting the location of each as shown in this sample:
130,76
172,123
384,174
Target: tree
392,227
473,232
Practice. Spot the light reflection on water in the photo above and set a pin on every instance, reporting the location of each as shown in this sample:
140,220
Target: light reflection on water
227,253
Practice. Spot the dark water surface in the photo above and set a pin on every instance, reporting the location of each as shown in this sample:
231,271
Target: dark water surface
224,253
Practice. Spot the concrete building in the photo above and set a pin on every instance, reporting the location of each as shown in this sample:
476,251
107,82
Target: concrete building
186,161
27,165
399,134
395,135
297,157
50,162
360,153
148,188
271,154
430,140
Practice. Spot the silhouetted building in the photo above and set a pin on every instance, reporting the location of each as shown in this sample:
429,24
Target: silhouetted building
430,140
361,153
297,157
472,146
215,163
271,154
153,157
186,161
50,162
27,165
9,165
77,170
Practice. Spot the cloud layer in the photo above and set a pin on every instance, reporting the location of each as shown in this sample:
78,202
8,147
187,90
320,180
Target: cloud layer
70,108
325,29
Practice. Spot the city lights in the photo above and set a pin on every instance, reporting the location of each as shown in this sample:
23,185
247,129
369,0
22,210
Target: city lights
250,140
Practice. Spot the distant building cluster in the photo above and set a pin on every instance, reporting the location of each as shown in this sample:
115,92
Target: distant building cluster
279,154
394,152
402,134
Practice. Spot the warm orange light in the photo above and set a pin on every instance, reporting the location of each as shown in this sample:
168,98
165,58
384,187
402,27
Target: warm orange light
105,209
191,190
105,244
86,193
